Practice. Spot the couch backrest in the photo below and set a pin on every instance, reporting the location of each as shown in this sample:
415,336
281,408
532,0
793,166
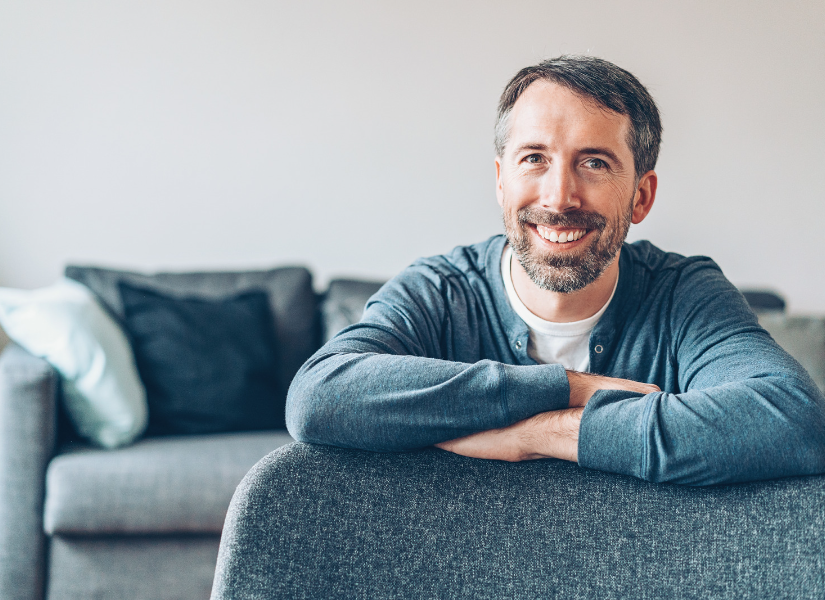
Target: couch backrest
803,337
343,304
321,522
764,300
291,297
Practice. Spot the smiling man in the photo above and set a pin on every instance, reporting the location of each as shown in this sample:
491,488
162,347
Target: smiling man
559,340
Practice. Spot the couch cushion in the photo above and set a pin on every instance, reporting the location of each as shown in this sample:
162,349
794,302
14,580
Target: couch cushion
803,337
158,485
291,297
209,366
344,304
156,567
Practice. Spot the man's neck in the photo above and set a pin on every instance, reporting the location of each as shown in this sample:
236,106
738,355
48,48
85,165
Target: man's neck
565,308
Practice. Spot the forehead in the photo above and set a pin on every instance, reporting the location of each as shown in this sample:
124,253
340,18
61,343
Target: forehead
550,114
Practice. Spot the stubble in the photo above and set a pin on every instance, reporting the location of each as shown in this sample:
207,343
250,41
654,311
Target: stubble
570,271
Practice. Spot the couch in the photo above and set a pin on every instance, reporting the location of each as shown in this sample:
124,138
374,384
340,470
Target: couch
144,520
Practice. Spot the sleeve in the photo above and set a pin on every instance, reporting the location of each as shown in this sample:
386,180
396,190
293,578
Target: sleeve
388,384
748,410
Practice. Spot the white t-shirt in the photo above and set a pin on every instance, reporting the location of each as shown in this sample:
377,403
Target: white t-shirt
553,343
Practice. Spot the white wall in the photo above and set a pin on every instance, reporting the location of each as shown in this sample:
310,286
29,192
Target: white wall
355,136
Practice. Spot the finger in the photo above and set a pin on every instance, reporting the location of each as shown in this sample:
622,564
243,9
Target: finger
645,388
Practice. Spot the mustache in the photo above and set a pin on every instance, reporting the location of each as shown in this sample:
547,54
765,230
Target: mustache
580,219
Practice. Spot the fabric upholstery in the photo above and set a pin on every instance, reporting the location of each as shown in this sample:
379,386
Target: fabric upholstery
132,568
320,522
803,337
344,304
158,485
291,297
209,366
28,388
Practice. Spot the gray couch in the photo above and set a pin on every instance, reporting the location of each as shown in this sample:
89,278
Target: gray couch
143,521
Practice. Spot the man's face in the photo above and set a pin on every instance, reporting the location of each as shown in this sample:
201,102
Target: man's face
567,187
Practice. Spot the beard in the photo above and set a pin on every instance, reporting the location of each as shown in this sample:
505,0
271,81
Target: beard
570,271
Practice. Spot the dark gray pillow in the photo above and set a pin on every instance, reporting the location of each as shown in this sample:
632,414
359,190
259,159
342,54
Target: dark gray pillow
209,366
292,301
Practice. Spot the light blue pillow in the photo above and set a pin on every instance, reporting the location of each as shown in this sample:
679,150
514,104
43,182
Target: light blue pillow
65,325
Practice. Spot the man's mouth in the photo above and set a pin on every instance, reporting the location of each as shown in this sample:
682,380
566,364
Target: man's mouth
560,237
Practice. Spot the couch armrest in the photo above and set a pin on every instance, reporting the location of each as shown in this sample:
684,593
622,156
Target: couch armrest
28,416
322,522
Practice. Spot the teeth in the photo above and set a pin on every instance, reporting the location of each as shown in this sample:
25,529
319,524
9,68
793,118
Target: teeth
561,238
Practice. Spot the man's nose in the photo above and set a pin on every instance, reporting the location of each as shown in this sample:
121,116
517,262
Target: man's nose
558,190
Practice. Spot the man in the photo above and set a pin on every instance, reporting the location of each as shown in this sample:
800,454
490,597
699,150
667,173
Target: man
559,340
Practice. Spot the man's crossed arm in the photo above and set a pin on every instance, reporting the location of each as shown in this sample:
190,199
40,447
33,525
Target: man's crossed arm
553,434
413,374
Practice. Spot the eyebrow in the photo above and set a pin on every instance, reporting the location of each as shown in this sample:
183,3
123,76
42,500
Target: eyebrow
531,146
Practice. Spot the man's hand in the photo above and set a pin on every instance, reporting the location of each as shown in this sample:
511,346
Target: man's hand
584,385
553,434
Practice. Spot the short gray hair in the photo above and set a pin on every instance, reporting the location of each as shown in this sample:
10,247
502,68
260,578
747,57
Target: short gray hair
601,81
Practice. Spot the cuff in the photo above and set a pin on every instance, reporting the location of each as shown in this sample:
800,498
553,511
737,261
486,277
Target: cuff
611,434
534,389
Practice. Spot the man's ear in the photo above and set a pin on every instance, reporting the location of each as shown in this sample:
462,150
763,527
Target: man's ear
499,189
645,196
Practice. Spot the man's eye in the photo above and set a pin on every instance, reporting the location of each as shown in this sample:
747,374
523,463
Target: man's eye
595,163
533,158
